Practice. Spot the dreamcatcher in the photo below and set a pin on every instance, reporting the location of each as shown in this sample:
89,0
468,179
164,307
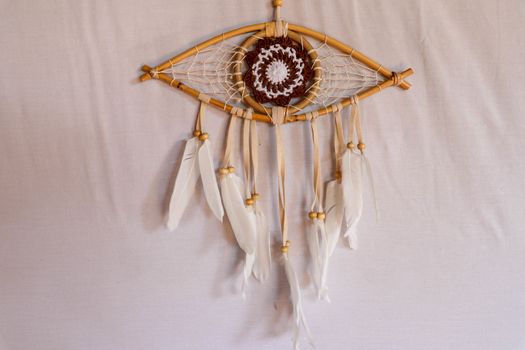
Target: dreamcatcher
280,73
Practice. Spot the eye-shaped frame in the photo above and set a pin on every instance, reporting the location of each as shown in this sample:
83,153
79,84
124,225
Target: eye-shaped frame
296,33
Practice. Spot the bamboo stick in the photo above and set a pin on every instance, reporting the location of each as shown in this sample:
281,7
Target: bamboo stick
266,118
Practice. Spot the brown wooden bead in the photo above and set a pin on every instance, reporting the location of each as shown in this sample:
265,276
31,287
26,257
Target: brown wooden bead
284,249
231,169
203,136
361,146
249,201
350,145
223,171
255,196
196,133
321,216
312,215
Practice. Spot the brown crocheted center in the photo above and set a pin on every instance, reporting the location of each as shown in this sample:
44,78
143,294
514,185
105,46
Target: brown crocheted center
278,70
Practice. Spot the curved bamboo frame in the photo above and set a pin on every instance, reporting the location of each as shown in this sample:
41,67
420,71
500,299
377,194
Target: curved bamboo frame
391,80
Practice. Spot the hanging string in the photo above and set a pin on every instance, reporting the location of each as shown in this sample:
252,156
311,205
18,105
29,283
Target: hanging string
226,161
254,138
278,118
246,155
317,183
204,99
339,142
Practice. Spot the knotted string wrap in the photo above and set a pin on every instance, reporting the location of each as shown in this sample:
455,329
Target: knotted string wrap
242,220
316,239
197,162
281,27
279,115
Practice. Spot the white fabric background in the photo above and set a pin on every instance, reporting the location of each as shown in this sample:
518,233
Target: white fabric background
87,157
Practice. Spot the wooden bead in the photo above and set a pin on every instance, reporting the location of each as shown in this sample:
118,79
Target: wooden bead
255,196
277,3
338,175
196,133
350,145
231,169
312,215
321,216
223,171
361,146
284,249
249,201
203,136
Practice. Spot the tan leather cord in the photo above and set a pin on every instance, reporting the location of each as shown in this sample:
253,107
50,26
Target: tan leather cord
254,139
226,162
339,142
279,118
205,99
317,204
355,125
246,152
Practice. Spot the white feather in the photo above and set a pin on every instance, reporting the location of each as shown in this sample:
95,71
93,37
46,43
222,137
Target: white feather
185,183
263,258
247,272
334,208
242,222
314,247
297,303
352,194
317,245
209,180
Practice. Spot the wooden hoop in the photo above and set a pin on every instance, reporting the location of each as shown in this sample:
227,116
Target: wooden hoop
249,100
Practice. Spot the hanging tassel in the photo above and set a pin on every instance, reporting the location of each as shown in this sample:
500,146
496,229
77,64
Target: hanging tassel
197,162
316,238
261,268
352,179
242,221
279,118
334,201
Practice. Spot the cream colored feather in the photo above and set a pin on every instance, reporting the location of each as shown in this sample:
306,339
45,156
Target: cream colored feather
352,194
242,222
263,257
209,180
185,183
334,208
297,303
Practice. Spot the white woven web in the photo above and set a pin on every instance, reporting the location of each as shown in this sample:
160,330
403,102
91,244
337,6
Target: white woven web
343,76
210,71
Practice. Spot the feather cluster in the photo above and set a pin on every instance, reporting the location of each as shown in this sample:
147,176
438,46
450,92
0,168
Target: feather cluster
197,162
